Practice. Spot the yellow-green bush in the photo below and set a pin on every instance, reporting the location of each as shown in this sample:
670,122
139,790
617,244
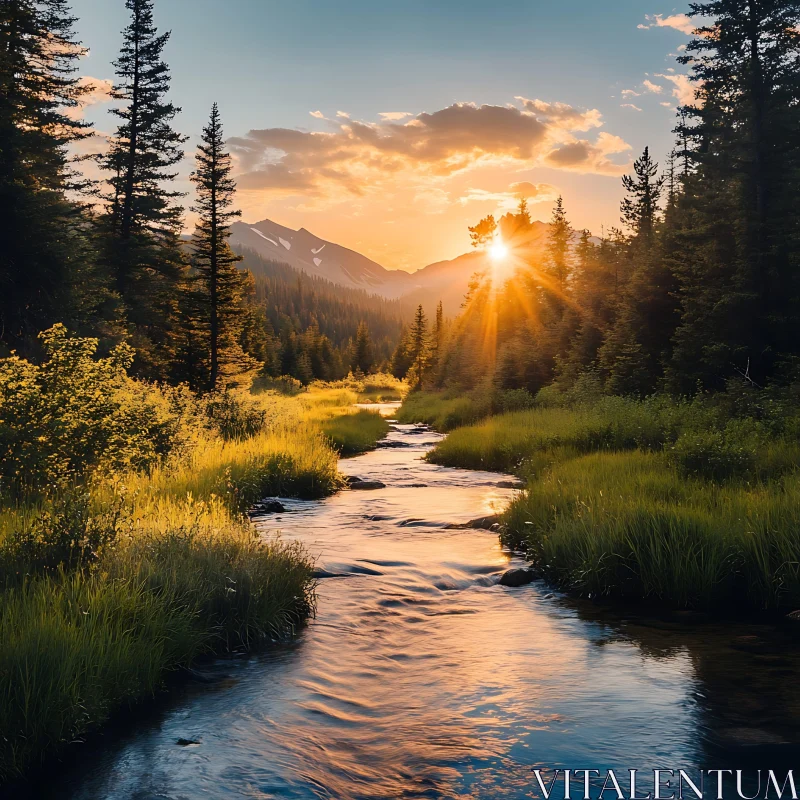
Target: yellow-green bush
75,413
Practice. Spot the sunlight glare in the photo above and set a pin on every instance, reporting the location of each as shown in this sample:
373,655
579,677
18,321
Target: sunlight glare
498,251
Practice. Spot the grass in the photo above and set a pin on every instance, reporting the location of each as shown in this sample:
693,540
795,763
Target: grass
452,409
78,646
116,575
676,503
356,433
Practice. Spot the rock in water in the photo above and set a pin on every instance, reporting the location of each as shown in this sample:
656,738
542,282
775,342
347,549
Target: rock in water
511,485
362,485
518,577
270,507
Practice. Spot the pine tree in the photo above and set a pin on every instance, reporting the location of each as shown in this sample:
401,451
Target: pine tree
558,249
46,266
637,345
419,345
640,208
145,149
143,223
481,234
739,288
363,358
438,336
218,288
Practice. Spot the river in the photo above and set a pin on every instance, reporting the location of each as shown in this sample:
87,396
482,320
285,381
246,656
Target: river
421,677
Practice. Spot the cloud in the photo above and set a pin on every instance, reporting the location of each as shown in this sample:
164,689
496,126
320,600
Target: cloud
538,192
583,156
98,92
394,115
683,88
509,201
562,115
317,114
630,93
680,22
652,87
358,158
630,105
342,115
667,104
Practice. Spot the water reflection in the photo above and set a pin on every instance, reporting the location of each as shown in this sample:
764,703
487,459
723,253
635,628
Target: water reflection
421,677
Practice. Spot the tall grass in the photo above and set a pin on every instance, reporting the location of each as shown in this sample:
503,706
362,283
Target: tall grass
77,646
355,433
676,502
125,552
451,409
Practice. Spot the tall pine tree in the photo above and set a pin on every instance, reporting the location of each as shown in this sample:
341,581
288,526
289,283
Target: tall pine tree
637,346
143,222
363,358
218,287
46,266
418,338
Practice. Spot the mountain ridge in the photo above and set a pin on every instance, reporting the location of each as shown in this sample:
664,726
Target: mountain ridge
307,253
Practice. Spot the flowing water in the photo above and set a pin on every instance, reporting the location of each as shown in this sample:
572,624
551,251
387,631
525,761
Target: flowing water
422,677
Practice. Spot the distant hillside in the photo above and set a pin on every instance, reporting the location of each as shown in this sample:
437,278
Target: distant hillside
298,301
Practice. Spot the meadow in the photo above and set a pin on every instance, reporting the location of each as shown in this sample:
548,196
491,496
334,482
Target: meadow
686,504
126,552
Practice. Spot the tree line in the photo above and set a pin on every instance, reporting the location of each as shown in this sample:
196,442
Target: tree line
107,257
701,282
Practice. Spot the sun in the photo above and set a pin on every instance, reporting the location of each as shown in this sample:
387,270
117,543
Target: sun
498,251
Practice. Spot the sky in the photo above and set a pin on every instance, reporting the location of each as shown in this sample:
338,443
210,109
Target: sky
390,126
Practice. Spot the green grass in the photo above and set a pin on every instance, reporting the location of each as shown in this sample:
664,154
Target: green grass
441,411
117,576
79,646
355,433
677,503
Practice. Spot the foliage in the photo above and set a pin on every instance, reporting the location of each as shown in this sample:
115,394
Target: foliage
74,414
47,273
235,415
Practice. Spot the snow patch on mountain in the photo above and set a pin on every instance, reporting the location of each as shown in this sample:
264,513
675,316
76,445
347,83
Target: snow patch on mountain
286,244
318,250
256,230
317,261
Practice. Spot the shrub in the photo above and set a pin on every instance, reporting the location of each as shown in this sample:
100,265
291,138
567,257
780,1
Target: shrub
235,415
713,456
75,414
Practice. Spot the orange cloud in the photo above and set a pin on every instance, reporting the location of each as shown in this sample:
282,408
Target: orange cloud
680,22
98,91
683,88
508,201
359,157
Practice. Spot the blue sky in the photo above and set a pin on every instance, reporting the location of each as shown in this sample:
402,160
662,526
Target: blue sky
270,64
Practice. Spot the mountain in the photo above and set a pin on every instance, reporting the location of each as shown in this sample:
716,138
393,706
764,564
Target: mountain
317,257
445,280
